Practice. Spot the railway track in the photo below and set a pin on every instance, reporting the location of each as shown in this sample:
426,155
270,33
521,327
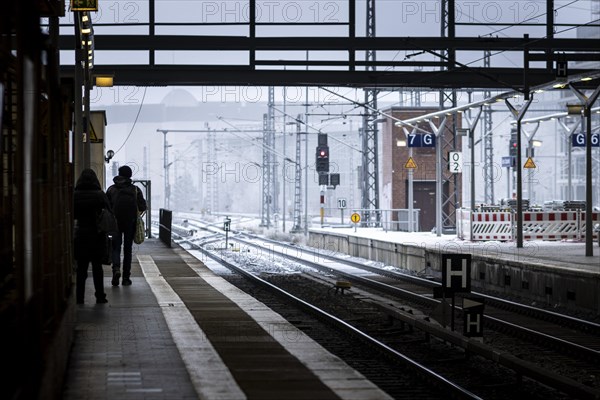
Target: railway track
438,381
574,336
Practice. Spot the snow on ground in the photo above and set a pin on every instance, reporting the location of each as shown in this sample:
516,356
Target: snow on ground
558,254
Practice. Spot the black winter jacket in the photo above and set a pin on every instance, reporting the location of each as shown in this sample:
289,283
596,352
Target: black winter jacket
124,196
89,200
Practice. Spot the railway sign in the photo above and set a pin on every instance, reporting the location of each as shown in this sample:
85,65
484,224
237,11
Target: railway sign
529,164
579,139
456,273
508,162
227,224
473,316
419,140
455,162
84,5
341,203
355,217
410,164
562,69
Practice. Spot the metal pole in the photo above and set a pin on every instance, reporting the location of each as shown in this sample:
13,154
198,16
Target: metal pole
589,240
569,171
322,202
438,183
530,172
284,178
518,115
86,104
472,146
410,194
78,130
508,191
519,188
306,160
166,170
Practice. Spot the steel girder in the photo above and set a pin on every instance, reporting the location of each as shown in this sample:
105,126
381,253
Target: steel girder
473,78
454,75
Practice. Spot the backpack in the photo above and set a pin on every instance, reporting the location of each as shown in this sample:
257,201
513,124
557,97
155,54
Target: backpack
125,204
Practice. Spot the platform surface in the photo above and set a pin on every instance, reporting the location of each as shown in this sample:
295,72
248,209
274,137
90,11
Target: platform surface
181,332
554,254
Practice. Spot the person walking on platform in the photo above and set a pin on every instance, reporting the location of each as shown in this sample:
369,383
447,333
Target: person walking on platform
127,202
89,245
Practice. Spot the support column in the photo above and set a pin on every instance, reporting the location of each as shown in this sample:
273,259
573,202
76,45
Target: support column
518,115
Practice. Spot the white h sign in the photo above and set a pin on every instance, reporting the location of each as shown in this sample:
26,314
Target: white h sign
462,273
476,324
456,266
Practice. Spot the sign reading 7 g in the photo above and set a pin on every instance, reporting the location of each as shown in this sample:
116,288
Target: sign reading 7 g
419,140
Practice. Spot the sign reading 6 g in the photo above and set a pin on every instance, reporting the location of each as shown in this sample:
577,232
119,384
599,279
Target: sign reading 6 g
579,139
455,162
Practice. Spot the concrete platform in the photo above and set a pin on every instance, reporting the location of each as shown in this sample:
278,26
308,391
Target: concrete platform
556,273
181,332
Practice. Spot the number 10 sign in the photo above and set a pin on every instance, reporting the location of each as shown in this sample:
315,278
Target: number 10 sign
455,162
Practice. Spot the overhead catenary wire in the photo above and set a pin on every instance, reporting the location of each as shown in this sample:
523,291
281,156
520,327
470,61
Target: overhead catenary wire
134,122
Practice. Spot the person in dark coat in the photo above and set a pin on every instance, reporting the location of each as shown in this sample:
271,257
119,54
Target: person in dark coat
88,200
126,200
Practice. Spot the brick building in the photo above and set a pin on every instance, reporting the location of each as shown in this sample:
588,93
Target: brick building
394,175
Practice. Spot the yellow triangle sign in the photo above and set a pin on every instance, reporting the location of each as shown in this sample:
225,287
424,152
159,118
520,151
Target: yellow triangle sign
410,164
529,163
93,137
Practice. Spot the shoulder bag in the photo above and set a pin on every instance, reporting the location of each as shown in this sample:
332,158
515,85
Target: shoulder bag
140,230
106,222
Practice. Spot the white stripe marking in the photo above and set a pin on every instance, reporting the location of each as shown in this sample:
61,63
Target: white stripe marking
209,374
342,379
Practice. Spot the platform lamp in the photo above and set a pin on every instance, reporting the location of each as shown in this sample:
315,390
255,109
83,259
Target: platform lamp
104,80
109,155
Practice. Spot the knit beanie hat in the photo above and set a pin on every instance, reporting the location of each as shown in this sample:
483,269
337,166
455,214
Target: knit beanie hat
125,171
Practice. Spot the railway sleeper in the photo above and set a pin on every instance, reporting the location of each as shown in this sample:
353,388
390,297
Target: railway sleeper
522,368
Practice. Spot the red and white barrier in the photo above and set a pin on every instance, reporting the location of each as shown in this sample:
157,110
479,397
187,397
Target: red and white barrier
491,226
463,223
595,220
555,225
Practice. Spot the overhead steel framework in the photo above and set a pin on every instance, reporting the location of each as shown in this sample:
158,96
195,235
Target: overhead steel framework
261,68
269,172
448,193
446,67
455,77
297,227
370,164
212,186
488,142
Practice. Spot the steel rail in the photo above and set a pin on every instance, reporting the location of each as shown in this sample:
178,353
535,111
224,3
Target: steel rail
521,367
423,371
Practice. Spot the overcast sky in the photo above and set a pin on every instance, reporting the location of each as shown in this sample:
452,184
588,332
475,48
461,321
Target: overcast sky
133,135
